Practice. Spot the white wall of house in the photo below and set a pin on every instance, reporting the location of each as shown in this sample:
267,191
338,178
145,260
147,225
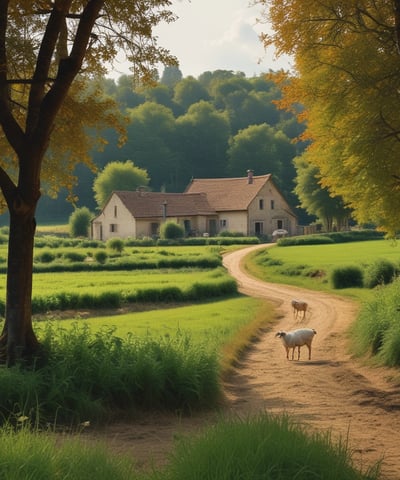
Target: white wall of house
233,222
270,211
114,221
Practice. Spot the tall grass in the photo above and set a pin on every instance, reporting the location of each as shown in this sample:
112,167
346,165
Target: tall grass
34,455
263,448
376,331
259,448
96,376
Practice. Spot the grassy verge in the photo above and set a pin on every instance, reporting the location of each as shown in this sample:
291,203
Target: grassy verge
104,367
34,455
312,266
262,448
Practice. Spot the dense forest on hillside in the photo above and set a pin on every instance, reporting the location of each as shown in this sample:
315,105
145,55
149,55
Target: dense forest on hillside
217,125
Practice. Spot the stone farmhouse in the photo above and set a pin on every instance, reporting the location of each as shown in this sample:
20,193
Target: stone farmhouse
251,205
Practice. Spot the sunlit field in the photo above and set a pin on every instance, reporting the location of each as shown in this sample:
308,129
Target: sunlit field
310,266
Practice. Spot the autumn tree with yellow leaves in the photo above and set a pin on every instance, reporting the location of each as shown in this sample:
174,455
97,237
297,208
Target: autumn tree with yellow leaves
48,49
347,79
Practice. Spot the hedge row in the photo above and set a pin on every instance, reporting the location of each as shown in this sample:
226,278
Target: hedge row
333,237
52,241
73,300
127,264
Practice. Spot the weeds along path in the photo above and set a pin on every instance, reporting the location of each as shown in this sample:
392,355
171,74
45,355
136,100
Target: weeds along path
332,392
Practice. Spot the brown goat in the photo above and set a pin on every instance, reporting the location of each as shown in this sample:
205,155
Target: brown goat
299,306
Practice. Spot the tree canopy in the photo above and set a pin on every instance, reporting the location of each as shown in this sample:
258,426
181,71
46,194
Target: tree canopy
48,49
173,145
118,176
347,71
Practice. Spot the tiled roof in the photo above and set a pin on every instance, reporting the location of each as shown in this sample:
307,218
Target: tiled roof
150,204
226,194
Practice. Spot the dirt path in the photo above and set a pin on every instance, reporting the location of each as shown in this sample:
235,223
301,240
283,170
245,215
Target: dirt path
330,392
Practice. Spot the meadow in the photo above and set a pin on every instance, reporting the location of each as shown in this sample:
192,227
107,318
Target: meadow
113,365
311,266
165,355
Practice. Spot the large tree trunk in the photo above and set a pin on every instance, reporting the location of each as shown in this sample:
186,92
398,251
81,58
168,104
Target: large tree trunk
18,340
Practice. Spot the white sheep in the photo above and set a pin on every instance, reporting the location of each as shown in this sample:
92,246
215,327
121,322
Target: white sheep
299,306
297,338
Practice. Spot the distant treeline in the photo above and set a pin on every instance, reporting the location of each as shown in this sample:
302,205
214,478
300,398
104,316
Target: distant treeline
218,125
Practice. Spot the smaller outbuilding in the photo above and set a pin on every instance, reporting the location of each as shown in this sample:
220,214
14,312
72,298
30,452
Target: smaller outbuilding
140,214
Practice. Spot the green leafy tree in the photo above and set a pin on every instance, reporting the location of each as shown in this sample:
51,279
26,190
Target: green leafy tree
152,143
118,176
160,94
346,58
329,209
189,91
171,76
261,148
125,94
202,136
79,222
47,50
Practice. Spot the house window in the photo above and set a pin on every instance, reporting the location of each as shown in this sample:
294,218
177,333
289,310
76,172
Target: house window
279,224
187,226
115,211
259,228
212,227
261,204
223,223
154,229
272,204
113,227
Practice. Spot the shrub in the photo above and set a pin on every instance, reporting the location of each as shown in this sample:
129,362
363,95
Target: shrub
347,277
376,330
91,243
381,272
171,231
79,222
101,256
45,257
74,256
304,240
227,233
115,244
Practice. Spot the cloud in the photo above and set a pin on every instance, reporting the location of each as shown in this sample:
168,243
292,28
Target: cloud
217,34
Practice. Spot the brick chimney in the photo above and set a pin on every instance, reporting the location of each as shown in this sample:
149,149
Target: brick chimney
250,176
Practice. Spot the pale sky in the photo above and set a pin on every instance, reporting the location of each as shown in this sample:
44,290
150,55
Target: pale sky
216,34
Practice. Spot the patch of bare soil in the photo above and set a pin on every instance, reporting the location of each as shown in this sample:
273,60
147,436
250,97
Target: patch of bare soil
331,392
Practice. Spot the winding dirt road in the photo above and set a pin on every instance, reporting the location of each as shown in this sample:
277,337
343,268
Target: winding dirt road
331,392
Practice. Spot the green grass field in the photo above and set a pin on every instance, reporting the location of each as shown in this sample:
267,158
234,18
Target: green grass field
118,280
213,323
98,366
310,266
